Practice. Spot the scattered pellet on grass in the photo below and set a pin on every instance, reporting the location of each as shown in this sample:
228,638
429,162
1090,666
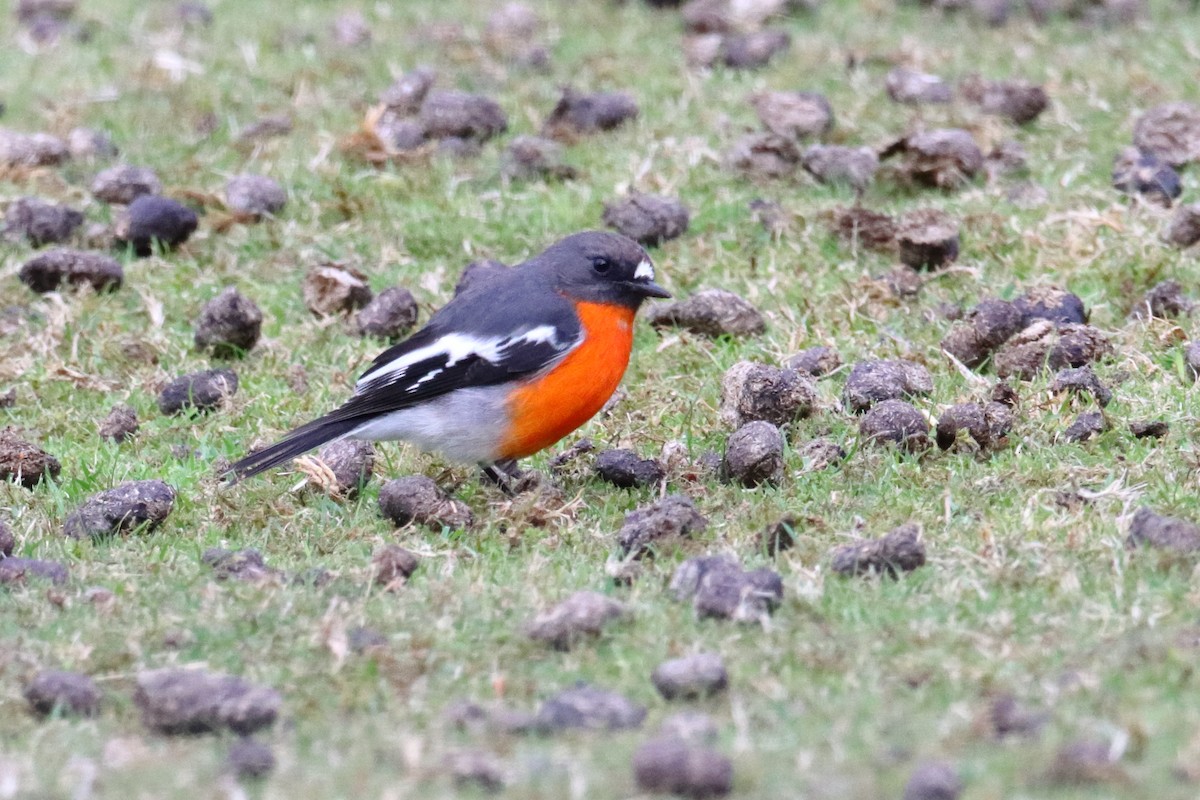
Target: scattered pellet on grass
333,289
764,155
40,223
1170,132
944,158
1007,717
871,382
927,238
751,392
986,327
581,616
69,693
23,462
668,765
626,469
151,218
913,87
246,565
124,183
15,570
1184,228
895,422
694,727
128,507
478,768
753,49
417,499
590,708
664,523
647,219
392,566
1081,380
1008,157
837,164
50,270
933,780
351,29
1165,300
406,94
120,425
1149,429
723,590
1085,426
389,315
820,453
535,158
350,464
1047,346
249,759
31,149
197,392
754,455
773,217
7,540
192,701
447,114
578,113
1159,532
89,144
709,312
269,127
229,325
252,197
1018,101
899,550
815,362
1086,762
794,115
1138,173
691,677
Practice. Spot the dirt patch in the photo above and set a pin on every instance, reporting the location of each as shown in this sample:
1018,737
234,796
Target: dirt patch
660,524
691,677
836,164
48,271
752,392
900,550
871,382
793,115
753,455
913,87
647,219
581,616
122,184
624,468
133,506
417,499
198,392
927,238
40,223
229,325
332,289
24,462
671,766
185,701
578,113
764,155
392,566
710,312
150,219
70,693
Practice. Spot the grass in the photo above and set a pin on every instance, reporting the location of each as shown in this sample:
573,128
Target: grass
853,682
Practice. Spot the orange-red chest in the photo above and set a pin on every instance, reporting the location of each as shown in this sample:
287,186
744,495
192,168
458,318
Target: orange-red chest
550,407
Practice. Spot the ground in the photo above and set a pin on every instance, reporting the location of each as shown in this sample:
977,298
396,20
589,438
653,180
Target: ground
1029,589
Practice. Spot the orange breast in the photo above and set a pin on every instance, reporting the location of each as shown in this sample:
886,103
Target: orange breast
548,408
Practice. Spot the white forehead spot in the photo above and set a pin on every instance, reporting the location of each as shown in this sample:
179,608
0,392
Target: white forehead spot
644,271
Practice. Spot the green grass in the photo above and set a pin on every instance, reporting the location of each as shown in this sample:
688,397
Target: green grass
853,682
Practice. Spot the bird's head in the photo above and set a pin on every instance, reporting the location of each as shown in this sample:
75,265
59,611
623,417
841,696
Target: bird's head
602,267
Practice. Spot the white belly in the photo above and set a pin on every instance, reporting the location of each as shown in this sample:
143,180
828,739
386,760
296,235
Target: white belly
467,425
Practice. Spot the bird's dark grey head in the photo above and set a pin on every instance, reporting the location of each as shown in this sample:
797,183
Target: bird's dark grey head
602,267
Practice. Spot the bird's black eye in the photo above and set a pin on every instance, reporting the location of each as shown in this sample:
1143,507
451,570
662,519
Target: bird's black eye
601,264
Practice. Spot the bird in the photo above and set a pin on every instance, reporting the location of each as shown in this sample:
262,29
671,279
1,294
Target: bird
516,361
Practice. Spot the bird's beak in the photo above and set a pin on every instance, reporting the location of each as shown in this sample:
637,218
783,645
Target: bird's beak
647,289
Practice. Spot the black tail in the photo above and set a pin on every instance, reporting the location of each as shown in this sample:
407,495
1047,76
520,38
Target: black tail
298,442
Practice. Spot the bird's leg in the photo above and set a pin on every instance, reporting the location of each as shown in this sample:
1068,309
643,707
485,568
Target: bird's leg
504,473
